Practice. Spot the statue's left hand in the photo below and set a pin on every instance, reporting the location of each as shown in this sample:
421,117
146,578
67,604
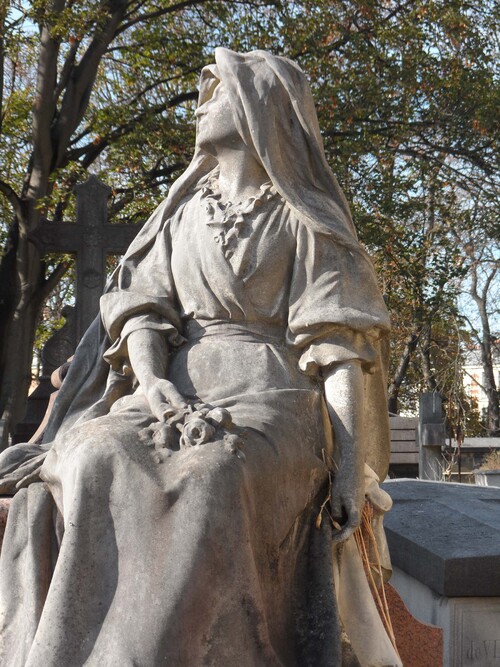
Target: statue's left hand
347,499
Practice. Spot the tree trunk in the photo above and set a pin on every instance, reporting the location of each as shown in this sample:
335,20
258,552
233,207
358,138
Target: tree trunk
8,285
400,373
425,356
489,384
23,286
19,317
490,387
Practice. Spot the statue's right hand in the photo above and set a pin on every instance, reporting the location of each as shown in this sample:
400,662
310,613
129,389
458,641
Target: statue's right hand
15,473
165,400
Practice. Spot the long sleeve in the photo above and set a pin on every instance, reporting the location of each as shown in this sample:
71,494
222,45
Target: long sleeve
144,298
336,311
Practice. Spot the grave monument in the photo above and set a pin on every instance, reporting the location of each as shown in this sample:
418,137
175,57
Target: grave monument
188,504
90,238
445,548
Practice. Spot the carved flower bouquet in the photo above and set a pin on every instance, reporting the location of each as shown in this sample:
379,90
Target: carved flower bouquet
197,425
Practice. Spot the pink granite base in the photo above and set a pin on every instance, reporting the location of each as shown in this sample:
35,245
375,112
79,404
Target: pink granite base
419,645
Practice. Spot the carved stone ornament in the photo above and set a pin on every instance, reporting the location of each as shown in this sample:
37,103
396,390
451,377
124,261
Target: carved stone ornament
91,278
92,236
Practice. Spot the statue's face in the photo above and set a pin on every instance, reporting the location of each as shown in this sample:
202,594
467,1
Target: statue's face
216,128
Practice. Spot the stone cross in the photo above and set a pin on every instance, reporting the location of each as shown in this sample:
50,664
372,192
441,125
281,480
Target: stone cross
90,238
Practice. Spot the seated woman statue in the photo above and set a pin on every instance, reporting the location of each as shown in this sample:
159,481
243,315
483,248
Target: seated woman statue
173,515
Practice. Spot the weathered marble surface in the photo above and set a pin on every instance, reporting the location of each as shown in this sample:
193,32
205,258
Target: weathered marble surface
4,511
190,448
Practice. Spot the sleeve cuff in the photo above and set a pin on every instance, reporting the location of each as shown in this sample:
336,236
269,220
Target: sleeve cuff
341,347
117,355
120,307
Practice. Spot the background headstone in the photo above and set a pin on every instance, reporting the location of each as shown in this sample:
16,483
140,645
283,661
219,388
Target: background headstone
431,436
56,351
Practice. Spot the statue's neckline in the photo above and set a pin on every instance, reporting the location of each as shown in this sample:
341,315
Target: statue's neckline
229,219
230,209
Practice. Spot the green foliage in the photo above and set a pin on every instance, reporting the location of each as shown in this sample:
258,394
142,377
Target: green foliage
51,318
407,96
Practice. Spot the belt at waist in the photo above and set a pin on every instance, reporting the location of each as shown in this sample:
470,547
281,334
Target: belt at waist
252,332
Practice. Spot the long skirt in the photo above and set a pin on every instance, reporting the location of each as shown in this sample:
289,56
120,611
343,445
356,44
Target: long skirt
206,556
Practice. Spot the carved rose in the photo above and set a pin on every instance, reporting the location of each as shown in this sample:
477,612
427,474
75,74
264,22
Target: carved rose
196,431
221,417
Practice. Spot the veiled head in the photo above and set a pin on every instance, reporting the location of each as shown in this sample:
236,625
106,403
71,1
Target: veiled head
274,114
270,99
275,117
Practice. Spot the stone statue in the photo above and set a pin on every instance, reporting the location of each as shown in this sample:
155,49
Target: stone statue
171,517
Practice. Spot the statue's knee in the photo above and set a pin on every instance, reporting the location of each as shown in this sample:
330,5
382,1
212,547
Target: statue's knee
94,446
219,469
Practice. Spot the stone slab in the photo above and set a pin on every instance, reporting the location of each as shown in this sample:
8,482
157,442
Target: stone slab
476,631
404,457
403,446
446,536
398,422
481,443
407,436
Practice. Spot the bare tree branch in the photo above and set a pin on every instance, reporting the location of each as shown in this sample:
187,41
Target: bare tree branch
77,94
51,281
156,14
13,198
92,150
67,69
